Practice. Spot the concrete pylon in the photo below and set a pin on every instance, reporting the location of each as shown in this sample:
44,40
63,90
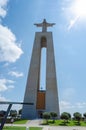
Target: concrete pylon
44,101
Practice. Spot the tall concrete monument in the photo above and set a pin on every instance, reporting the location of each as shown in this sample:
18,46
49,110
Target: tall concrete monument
47,100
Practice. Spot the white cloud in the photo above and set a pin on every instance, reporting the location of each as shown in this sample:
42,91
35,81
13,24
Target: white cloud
2,98
3,11
10,87
14,107
65,105
16,74
5,84
68,93
9,49
9,81
81,105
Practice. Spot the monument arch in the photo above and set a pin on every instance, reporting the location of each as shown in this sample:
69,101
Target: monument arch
44,101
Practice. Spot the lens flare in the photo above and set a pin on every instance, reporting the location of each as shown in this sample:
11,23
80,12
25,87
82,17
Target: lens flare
79,8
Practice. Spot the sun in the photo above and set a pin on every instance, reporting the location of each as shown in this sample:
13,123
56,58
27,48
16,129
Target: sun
79,8
77,11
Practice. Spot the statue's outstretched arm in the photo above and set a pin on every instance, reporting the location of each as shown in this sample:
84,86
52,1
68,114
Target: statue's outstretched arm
51,24
38,25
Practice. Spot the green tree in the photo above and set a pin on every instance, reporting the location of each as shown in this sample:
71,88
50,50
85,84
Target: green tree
65,116
20,112
13,113
53,116
2,113
46,116
77,117
84,116
69,115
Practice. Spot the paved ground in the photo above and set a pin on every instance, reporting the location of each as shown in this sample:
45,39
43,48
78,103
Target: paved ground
37,123
65,128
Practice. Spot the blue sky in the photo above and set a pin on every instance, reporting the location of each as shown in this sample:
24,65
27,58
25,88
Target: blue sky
16,41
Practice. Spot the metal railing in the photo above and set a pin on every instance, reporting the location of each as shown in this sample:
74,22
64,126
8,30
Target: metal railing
8,110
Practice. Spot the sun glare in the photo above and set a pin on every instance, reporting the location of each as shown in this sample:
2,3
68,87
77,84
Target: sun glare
79,8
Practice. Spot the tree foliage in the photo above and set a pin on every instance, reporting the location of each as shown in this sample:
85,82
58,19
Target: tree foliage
53,116
77,116
46,116
20,112
13,113
84,115
2,113
65,116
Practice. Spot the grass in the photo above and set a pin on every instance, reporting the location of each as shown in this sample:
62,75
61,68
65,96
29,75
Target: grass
62,123
35,128
21,128
20,122
13,128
